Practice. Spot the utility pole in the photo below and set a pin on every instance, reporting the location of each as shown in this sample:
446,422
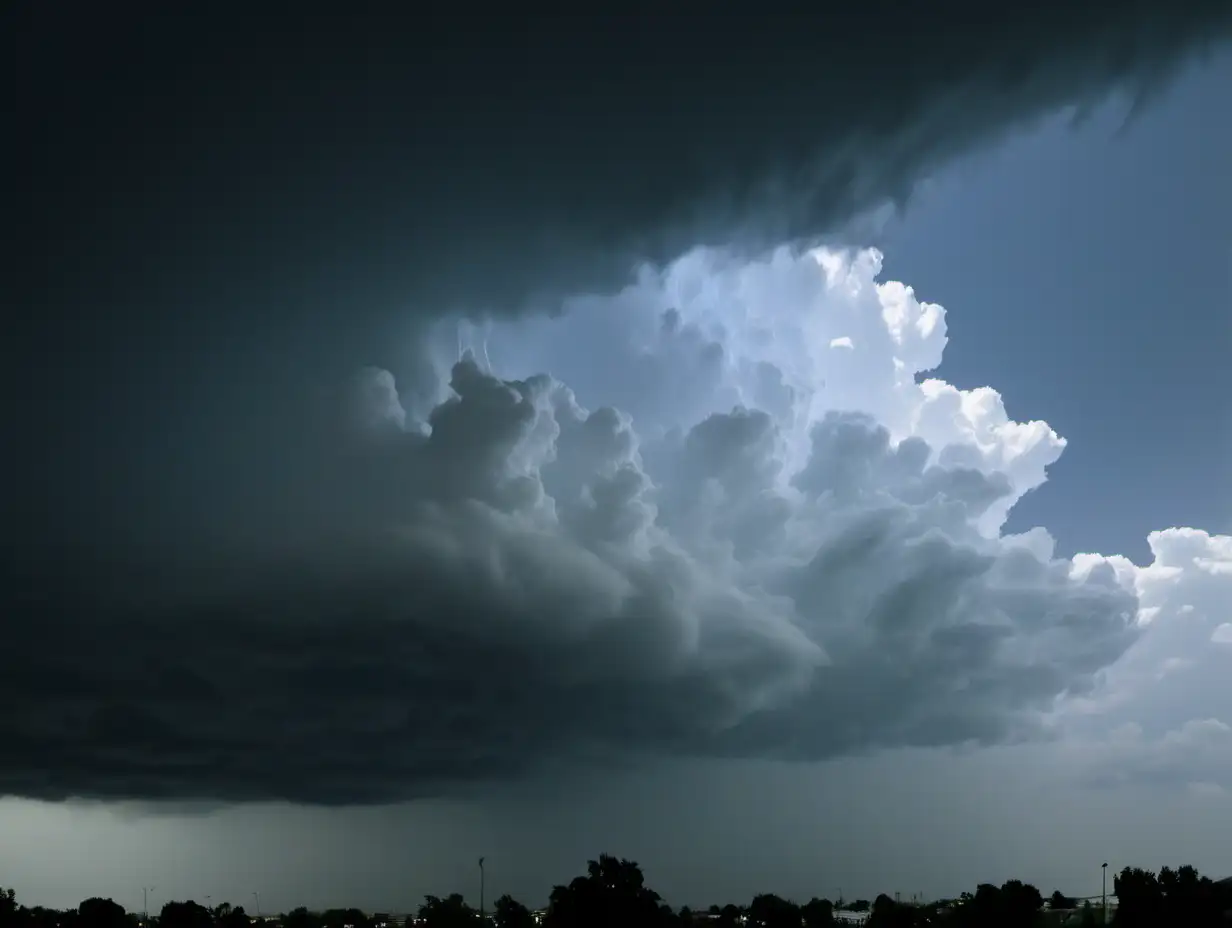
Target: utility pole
1103,895
257,896
145,902
481,888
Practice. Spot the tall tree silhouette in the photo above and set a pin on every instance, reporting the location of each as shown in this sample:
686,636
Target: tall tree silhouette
886,913
101,913
1059,900
817,913
613,894
227,916
344,918
1173,897
1020,904
512,914
1140,898
185,915
9,912
300,918
449,912
770,911
1014,904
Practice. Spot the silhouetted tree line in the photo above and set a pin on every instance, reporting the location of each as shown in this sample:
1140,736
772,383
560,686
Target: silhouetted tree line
613,894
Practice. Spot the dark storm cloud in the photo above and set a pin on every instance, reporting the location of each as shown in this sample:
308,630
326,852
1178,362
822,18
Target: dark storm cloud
304,171
243,204
432,157
214,589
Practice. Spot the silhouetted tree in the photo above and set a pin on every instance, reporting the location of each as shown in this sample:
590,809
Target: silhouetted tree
1020,904
817,913
9,910
1059,900
40,917
300,918
1014,904
450,912
886,913
1174,897
982,908
613,894
344,918
1140,898
228,917
101,913
512,914
185,915
770,911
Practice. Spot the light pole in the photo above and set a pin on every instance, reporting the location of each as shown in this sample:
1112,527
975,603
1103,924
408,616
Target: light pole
1103,895
481,888
257,897
145,902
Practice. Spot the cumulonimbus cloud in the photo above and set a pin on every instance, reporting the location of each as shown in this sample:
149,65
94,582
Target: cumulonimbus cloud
1167,700
744,522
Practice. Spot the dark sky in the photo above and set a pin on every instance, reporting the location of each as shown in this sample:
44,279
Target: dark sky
223,202
269,543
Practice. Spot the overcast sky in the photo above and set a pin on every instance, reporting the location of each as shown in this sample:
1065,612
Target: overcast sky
435,444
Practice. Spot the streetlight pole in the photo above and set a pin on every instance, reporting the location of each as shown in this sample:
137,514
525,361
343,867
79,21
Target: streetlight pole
257,896
1103,895
145,902
481,888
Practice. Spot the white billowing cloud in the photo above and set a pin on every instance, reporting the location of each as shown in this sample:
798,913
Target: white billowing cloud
776,446
795,335
804,340
1185,597
1171,695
